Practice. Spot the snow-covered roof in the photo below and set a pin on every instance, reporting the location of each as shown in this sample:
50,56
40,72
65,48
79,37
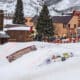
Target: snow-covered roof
17,28
2,32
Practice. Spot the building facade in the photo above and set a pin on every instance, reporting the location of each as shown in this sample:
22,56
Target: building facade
67,26
32,22
59,24
19,33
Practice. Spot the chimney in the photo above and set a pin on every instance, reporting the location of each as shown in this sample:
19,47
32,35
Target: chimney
1,19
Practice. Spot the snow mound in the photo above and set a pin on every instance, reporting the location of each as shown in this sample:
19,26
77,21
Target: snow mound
28,66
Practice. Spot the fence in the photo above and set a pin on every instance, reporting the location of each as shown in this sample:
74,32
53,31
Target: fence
68,40
20,53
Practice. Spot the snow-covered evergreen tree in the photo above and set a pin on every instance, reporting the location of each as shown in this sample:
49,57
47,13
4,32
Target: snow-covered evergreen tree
18,15
44,26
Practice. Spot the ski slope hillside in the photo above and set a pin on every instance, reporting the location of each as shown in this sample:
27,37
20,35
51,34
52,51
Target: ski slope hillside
33,7
33,66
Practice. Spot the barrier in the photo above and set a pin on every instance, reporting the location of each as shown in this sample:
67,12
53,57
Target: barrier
20,53
68,40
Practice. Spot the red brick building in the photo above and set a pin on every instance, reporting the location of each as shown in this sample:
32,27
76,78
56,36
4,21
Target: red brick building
19,33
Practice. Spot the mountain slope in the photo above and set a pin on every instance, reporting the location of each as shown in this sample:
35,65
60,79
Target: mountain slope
33,7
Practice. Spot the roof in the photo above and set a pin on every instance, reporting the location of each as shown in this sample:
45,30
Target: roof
61,19
56,19
16,27
3,35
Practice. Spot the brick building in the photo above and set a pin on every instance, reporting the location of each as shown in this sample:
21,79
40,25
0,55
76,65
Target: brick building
19,33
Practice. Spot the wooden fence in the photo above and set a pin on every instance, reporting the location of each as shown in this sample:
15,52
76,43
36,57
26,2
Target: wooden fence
20,53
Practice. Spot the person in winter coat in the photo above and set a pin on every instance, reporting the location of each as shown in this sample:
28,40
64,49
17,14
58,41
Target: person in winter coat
48,61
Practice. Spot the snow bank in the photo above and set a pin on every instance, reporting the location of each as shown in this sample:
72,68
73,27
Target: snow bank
2,32
28,66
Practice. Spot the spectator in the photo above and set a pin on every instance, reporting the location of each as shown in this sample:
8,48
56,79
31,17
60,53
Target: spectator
48,61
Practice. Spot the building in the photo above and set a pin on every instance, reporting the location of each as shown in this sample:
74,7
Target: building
32,22
59,23
3,36
67,26
19,33
29,21
77,13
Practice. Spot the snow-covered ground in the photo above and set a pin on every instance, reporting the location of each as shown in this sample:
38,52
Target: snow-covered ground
33,66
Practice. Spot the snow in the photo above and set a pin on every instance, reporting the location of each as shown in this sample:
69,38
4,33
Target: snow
67,4
7,21
17,28
31,6
33,66
2,32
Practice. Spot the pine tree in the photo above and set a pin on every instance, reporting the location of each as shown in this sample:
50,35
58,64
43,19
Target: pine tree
18,15
44,26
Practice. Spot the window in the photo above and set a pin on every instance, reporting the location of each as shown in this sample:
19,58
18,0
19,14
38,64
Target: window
31,20
26,20
64,25
74,25
74,35
68,25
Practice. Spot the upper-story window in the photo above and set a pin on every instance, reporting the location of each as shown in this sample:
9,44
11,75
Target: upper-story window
74,25
68,25
64,26
26,20
31,20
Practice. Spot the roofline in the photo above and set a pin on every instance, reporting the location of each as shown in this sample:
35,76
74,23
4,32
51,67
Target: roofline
61,16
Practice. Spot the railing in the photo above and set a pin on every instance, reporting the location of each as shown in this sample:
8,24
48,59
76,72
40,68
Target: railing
20,53
67,40
70,40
